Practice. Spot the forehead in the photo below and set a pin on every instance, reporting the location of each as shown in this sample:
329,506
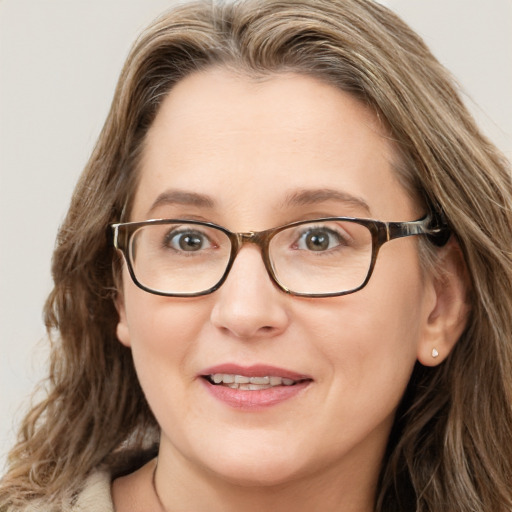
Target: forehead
251,144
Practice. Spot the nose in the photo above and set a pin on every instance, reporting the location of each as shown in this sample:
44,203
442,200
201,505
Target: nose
248,305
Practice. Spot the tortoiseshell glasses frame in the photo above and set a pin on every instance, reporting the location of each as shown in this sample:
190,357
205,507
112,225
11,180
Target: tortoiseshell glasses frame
380,232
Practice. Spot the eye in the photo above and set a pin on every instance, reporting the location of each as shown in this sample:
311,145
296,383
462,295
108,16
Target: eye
187,240
319,239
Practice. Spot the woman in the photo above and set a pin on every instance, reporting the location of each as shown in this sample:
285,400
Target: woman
231,328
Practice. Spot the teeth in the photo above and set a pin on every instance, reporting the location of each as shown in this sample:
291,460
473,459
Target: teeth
259,380
276,381
249,383
254,387
226,379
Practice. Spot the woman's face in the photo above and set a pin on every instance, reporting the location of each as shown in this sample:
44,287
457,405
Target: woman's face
238,152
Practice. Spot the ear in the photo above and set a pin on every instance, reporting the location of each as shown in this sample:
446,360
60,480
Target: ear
449,309
122,329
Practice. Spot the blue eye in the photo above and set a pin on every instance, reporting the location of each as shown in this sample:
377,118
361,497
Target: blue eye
188,241
319,239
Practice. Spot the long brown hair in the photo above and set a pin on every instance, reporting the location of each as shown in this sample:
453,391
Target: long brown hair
451,445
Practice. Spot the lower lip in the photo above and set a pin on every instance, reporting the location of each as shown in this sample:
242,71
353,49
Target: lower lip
254,400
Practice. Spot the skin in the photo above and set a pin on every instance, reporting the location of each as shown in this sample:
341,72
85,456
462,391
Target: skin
248,146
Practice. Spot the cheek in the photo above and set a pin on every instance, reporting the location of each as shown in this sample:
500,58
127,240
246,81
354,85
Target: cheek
163,333
370,338
365,340
364,346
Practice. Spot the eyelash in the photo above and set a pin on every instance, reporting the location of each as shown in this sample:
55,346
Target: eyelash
174,235
341,240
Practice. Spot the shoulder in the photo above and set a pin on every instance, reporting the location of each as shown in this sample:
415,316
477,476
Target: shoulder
95,496
94,493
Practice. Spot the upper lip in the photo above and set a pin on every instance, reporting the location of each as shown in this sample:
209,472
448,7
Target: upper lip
256,370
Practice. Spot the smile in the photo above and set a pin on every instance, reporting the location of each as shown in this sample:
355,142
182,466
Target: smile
246,383
253,388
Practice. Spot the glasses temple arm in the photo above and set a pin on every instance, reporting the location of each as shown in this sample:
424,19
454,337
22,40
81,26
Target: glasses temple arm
435,227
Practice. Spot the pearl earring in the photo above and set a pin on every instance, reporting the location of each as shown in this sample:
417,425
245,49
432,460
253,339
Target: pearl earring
435,353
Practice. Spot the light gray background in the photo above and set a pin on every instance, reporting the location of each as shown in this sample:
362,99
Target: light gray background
59,61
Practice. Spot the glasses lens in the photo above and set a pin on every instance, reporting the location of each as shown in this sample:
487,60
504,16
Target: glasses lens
322,257
179,258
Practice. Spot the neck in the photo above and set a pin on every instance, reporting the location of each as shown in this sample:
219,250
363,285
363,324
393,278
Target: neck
188,489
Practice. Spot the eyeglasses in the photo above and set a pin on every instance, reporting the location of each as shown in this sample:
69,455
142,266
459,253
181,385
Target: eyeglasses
324,257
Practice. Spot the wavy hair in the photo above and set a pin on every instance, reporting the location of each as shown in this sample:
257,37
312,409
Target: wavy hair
451,445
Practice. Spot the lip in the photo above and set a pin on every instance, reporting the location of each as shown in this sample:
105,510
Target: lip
243,400
256,370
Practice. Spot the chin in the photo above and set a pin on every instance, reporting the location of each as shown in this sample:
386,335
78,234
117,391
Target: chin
266,467
258,475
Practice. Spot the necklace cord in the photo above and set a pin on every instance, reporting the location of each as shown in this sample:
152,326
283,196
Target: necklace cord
155,490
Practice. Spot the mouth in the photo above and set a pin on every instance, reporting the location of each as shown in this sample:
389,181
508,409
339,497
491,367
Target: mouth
253,388
253,383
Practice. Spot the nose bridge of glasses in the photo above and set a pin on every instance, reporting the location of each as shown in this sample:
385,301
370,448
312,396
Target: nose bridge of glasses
252,237
247,237
258,238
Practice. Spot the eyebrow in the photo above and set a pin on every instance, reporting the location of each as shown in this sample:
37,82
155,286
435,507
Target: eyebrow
171,197
309,197
298,198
